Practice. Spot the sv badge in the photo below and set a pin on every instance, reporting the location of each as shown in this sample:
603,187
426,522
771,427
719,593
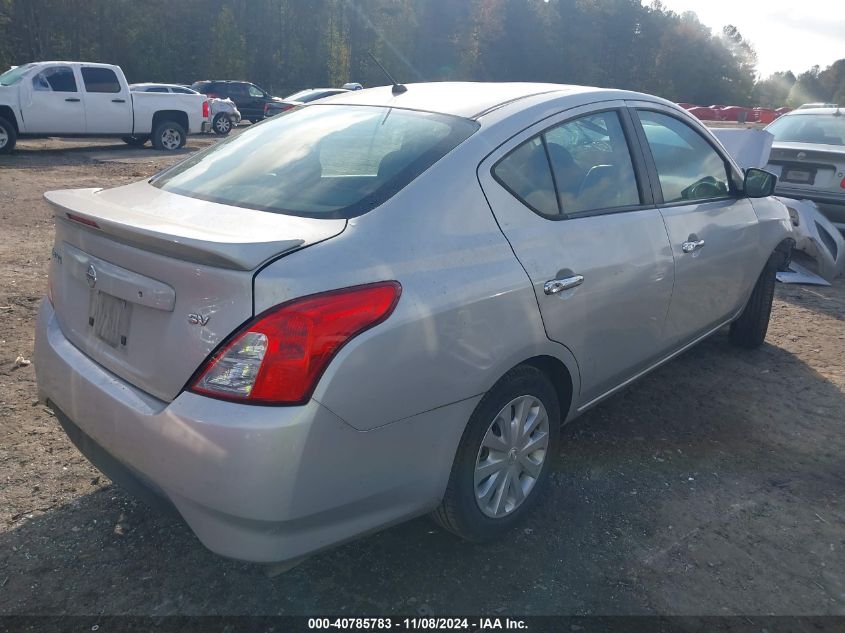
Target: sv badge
198,319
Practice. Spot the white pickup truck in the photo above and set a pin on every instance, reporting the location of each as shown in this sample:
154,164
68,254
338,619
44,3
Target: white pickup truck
82,99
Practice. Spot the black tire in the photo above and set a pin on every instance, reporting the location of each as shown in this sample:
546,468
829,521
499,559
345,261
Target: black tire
134,141
8,136
460,511
749,330
221,124
169,136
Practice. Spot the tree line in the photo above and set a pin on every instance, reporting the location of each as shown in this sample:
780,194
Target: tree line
285,45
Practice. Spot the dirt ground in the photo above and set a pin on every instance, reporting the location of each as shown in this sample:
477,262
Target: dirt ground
716,485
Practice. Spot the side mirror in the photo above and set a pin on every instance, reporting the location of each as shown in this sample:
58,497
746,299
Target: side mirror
759,183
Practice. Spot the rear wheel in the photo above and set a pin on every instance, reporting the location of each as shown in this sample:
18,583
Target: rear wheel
169,136
135,141
749,330
504,458
8,136
221,124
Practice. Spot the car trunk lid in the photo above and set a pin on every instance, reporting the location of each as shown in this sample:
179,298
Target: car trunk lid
148,283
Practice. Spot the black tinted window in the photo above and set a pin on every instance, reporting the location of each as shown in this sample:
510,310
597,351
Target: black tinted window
526,174
156,89
320,161
100,80
56,78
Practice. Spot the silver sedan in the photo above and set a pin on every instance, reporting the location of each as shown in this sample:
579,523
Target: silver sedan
808,156
385,304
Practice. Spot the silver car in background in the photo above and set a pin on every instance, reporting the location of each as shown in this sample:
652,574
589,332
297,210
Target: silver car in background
384,305
808,156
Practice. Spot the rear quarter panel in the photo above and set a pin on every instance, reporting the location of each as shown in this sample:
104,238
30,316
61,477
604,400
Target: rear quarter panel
467,313
146,104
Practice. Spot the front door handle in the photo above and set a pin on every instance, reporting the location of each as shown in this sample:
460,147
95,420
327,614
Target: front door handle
554,286
118,100
691,245
71,99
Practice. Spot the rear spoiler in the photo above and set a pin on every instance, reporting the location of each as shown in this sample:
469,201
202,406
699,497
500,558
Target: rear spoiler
223,242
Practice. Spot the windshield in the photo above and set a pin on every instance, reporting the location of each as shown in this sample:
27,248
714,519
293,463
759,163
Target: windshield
320,160
821,129
13,75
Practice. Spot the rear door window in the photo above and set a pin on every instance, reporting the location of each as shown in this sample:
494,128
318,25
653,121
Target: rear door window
237,90
592,164
578,166
55,79
100,80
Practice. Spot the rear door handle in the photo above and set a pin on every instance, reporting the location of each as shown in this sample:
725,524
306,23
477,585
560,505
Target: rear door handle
71,99
554,286
692,245
118,100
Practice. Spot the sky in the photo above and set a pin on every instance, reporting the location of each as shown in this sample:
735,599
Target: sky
787,34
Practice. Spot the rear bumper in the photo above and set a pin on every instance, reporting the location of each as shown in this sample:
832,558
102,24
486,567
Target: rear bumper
263,484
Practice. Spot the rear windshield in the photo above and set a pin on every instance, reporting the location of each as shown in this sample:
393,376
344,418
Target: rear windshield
320,160
822,129
13,75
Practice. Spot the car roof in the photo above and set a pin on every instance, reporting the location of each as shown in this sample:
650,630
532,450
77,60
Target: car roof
465,99
223,81
66,63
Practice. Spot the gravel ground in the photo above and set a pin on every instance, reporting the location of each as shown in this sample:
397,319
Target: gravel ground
713,486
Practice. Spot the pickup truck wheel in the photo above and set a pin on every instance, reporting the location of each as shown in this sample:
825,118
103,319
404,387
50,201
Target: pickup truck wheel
169,136
222,124
135,141
8,136
749,330
504,458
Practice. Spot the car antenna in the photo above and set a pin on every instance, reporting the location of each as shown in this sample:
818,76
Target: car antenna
398,88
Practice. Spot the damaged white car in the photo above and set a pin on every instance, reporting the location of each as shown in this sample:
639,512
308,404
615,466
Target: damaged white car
819,252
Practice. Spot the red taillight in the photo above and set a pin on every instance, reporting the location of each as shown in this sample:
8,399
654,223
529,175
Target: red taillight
279,356
842,184
205,109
